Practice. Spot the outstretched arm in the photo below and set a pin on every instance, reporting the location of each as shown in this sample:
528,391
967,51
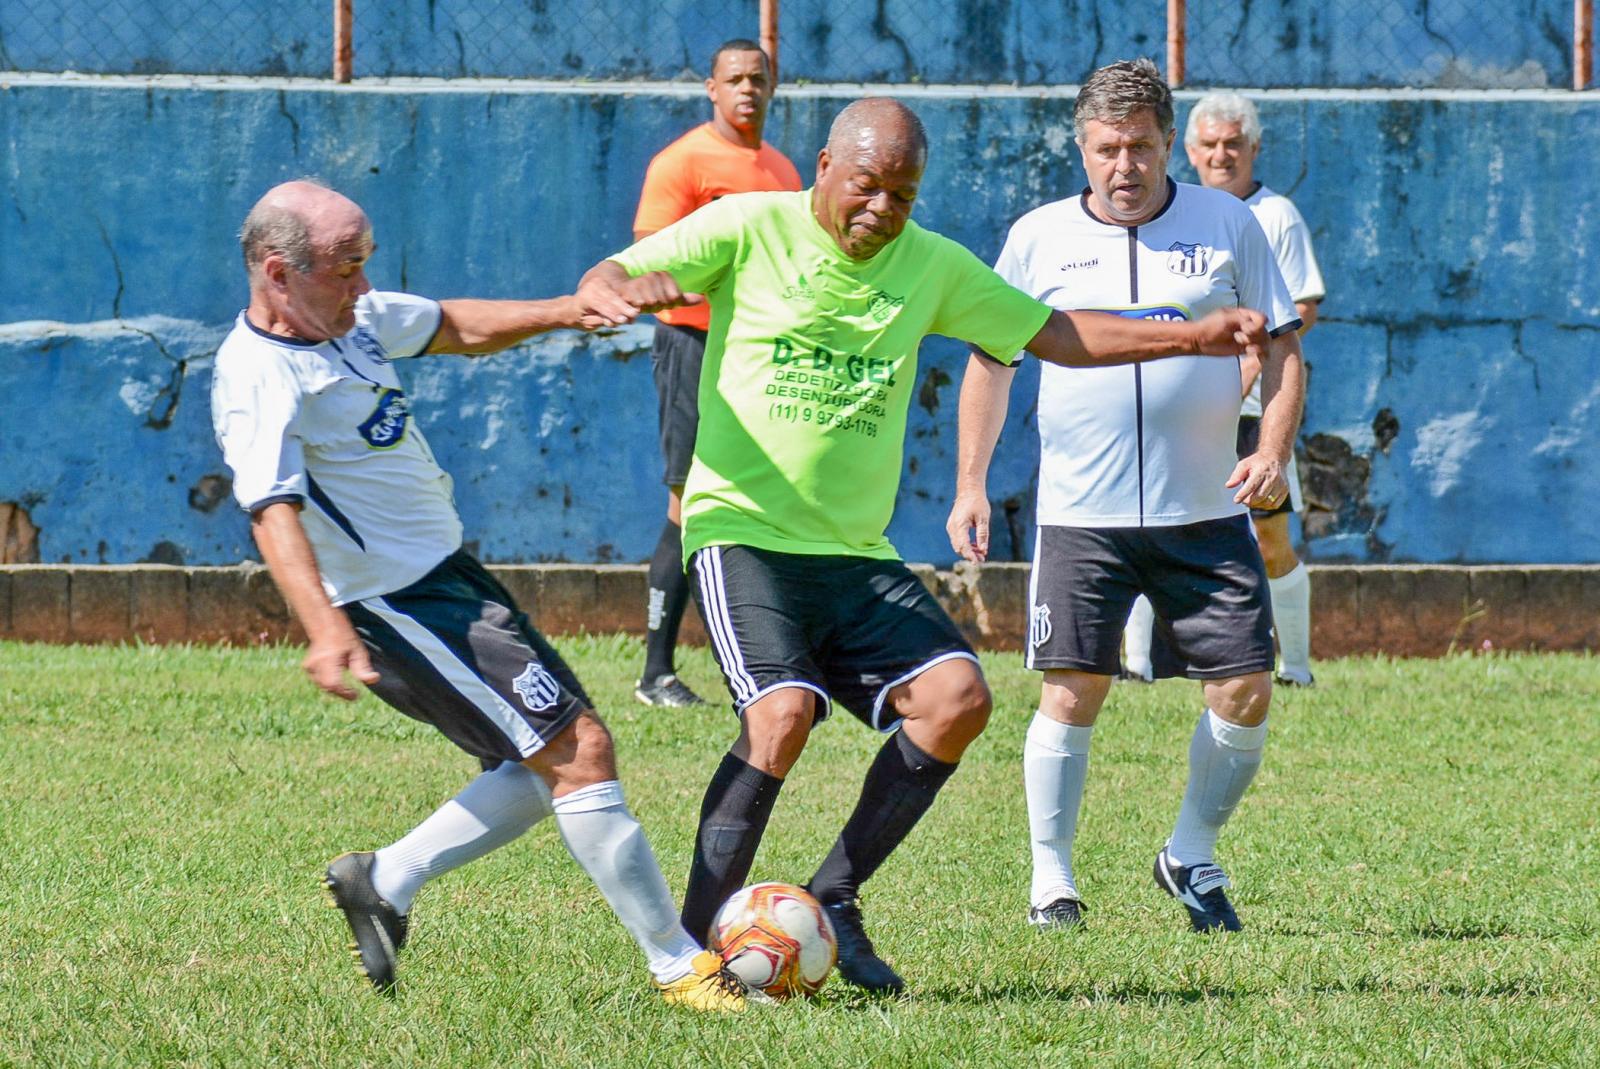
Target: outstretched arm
1098,339
334,645
477,327
985,389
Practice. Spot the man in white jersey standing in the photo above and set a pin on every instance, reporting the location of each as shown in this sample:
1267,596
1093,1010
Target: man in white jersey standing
819,301
356,522
1139,487
1223,138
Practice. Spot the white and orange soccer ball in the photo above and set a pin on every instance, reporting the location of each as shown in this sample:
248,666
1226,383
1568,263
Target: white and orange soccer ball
776,938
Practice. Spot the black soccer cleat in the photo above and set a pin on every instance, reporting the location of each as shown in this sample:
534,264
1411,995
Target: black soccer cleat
1059,915
378,929
858,961
1201,889
666,692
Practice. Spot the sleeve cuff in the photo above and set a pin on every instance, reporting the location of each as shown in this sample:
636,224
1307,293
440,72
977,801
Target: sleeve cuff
275,499
1294,324
1013,362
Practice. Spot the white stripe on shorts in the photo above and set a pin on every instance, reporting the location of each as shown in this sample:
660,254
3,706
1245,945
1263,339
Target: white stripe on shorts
719,624
1033,600
466,682
883,692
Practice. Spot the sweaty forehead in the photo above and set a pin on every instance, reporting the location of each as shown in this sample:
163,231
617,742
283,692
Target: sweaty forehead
1219,130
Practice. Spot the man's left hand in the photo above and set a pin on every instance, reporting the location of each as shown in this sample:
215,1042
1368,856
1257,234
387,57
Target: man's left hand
1260,480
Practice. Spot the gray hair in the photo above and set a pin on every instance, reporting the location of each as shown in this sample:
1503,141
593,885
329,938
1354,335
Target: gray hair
273,227
1224,107
1119,90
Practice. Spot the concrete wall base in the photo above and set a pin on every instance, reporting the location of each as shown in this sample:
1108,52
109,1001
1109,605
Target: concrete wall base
1415,611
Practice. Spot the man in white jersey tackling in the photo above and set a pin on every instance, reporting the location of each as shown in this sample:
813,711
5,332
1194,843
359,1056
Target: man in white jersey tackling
1139,487
355,520
1223,138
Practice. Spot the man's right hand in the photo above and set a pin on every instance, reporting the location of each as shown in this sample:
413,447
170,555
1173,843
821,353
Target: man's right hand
1232,332
328,658
968,526
608,301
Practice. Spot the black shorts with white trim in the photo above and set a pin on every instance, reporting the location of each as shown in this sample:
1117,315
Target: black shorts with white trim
676,356
849,629
453,650
1206,582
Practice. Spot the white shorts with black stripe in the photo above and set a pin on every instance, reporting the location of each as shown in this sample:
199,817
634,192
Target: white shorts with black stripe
848,629
453,650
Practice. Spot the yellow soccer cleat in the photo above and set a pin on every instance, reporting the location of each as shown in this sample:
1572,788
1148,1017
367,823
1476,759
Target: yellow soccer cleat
708,986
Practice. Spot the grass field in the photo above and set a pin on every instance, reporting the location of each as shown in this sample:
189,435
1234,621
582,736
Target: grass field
1416,867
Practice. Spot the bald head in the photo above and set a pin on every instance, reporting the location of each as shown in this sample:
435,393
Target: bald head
295,220
306,248
882,127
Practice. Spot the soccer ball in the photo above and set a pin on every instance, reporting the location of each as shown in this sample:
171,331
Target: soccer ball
776,938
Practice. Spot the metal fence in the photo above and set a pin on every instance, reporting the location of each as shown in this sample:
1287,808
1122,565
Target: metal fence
1515,44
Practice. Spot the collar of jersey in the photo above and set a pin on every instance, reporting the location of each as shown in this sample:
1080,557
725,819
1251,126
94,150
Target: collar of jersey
1172,195
281,339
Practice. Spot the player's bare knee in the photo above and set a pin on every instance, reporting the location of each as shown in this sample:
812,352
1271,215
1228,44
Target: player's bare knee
1241,700
776,728
957,713
580,755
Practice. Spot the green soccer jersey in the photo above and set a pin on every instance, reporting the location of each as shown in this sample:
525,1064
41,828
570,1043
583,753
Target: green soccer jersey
810,363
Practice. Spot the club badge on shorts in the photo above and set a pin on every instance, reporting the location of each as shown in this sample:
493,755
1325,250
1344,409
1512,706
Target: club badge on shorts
1039,626
536,687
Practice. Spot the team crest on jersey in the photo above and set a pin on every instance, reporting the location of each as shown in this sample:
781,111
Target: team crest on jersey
882,307
364,340
536,687
1188,260
1039,626
386,427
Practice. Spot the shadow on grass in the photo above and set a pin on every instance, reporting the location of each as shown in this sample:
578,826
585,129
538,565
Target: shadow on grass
1137,994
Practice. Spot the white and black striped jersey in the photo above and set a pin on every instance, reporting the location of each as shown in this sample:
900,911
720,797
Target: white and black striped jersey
328,424
1290,239
1151,444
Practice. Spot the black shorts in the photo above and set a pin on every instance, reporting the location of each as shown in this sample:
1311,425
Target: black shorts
675,357
452,650
1248,439
1206,582
847,628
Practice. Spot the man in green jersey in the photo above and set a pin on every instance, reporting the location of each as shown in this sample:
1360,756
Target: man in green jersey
819,300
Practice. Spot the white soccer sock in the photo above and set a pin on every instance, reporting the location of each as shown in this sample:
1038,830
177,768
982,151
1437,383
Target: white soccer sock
1055,762
1291,612
1223,759
489,812
603,837
1136,638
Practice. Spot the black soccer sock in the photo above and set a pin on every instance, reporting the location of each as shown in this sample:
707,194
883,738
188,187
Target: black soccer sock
900,786
734,814
669,594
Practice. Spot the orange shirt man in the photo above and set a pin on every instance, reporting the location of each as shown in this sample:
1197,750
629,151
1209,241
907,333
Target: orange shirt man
726,155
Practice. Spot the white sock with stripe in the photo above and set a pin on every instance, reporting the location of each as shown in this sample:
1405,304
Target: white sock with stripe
1223,759
489,812
1055,763
1136,638
603,837
1291,613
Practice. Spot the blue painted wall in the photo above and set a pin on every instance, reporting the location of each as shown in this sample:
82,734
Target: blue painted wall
1445,43
1454,391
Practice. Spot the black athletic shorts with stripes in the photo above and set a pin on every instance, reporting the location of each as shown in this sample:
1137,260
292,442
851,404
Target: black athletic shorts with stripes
1206,582
849,629
676,356
454,651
